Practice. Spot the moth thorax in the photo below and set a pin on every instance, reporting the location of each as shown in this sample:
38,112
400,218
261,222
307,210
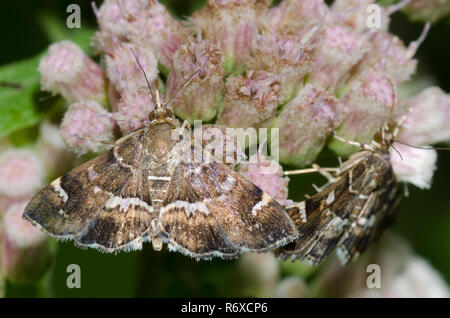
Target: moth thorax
160,140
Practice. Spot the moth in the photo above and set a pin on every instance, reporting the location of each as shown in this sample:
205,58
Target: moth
350,212
143,190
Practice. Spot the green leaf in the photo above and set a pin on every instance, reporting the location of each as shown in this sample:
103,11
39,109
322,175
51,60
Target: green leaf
19,84
20,103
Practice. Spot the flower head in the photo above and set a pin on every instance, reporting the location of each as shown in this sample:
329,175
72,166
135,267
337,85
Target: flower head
202,64
21,172
86,127
413,165
428,120
250,99
67,70
25,254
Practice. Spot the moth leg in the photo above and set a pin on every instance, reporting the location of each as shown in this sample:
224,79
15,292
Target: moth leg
315,168
350,189
400,123
353,143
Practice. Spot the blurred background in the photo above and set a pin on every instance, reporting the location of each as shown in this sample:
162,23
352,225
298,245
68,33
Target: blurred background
28,27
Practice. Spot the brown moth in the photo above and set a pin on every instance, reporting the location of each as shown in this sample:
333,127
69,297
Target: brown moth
351,211
143,190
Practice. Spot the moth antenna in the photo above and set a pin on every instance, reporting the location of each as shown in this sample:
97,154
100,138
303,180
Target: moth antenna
145,75
182,86
396,150
425,148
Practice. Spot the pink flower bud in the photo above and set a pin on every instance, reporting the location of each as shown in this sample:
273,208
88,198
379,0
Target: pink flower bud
397,58
133,111
250,99
428,10
267,174
21,173
231,24
291,287
25,254
413,165
144,22
339,51
124,71
200,97
366,106
52,150
286,55
292,16
116,16
259,272
428,121
417,279
350,13
305,123
68,71
87,126
224,140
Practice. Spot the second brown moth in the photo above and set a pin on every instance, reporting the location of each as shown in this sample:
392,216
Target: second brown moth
352,211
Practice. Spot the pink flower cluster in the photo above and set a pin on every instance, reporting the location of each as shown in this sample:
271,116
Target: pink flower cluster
302,66
24,250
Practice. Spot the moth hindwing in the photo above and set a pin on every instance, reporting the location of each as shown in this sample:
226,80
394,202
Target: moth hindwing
350,213
142,189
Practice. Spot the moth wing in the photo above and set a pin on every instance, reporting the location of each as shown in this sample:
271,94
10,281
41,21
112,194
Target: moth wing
377,214
99,204
211,210
320,221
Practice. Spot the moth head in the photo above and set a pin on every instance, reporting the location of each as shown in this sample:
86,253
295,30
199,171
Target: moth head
161,114
384,137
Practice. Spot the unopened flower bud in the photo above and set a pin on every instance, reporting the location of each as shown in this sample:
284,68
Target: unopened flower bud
260,273
366,107
133,110
68,71
21,172
200,97
339,51
116,16
428,121
231,24
87,126
25,253
123,68
222,144
305,123
291,287
397,59
250,99
417,279
292,16
52,150
267,174
413,165
288,56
